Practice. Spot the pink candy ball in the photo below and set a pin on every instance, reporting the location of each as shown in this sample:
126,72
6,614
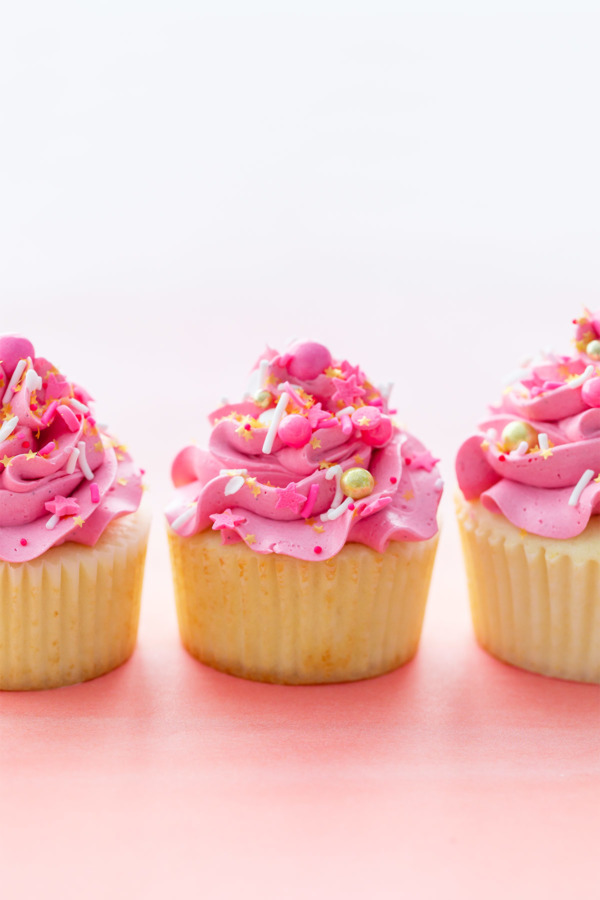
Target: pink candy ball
379,436
366,418
295,431
13,347
308,360
590,392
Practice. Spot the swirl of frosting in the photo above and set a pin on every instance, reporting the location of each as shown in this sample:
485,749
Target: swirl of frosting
275,476
549,484
61,477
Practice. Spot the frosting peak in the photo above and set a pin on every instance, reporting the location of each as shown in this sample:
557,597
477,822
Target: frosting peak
308,460
536,457
61,477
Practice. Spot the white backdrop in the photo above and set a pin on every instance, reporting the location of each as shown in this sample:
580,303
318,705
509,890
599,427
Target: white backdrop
417,185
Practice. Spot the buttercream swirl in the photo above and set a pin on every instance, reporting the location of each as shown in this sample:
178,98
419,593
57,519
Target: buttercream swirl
62,478
549,487
288,498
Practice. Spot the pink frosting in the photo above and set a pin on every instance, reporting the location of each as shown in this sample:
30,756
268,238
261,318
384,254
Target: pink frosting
536,490
277,504
41,482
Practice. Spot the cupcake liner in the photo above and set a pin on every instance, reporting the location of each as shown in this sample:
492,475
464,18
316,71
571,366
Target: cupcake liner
72,614
279,619
535,601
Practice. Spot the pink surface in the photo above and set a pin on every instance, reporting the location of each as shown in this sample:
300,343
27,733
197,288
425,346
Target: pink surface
452,776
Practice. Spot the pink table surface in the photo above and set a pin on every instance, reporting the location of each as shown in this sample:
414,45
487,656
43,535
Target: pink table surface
454,776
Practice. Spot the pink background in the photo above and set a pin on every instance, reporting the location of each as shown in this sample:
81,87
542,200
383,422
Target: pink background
417,188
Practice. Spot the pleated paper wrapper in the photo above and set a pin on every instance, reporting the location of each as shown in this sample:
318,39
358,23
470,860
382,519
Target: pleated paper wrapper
535,601
72,614
274,618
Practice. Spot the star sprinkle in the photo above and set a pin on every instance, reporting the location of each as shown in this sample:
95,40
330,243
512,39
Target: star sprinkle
316,414
348,391
226,519
254,487
6,461
30,455
315,443
289,498
348,370
79,521
424,461
408,495
62,506
250,539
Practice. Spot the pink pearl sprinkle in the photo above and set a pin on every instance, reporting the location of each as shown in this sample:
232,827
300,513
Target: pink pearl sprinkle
308,360
23,542
318,549
295,430
393,480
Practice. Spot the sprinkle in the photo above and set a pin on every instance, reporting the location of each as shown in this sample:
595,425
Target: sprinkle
79,521
393,479
83,463
16,377
439,484
346,411
78,405
336,472
318,549
292,390
69,417
49,414
8,427
521,450
33,382
52,522
72,461
386,389
263,371
47,448
577,382
580,486
184,517
277,417
95,492
335,513
234,485
250,539
346,422
308,507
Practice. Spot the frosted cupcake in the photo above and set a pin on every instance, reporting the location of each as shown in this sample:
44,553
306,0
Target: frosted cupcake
303,540
528,515
72,536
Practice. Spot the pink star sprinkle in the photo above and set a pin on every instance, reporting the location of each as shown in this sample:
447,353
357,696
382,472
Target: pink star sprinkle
424,461
347,391
316,415
347,369
63,506
226,519
289,498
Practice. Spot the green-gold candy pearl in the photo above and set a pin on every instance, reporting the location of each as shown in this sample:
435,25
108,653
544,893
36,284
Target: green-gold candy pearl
357,483
263,399
593,349
515,433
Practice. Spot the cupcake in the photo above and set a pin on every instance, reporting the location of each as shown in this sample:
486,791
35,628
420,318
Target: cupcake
72,534
302,541
528,514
